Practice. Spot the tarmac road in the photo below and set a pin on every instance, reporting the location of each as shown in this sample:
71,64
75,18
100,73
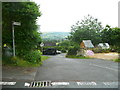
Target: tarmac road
59,68
79,73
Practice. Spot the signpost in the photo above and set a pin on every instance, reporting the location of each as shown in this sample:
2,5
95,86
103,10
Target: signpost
17,24
42,44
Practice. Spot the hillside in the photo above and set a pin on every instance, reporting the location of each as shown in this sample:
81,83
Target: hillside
54,35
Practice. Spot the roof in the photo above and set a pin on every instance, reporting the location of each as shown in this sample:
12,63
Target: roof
104,45
88,43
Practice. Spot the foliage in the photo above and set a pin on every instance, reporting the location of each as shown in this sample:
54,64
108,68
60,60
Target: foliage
17,61
54,36
33,56
77,57
26,35
117,60
56,47
7,60
87,29
60,48
115,49
111,35
44,57
66,43
100,50
73,50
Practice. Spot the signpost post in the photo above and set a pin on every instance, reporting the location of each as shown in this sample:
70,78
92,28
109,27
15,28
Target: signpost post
17,24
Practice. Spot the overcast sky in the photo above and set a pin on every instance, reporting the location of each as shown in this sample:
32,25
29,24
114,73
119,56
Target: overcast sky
60,15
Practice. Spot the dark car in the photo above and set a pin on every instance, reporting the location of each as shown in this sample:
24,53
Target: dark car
49,51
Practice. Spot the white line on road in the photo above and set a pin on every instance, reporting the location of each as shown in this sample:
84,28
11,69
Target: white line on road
103,67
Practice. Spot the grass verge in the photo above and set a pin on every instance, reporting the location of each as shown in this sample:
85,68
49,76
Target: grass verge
116,60
77,57
44,58
23,63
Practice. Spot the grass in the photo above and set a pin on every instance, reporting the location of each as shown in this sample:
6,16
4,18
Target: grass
23,63
116,60
44,58
77,57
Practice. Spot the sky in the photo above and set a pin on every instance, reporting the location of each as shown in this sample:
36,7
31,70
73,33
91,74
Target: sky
60,15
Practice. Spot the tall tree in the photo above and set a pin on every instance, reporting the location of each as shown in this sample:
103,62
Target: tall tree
111,35
88,28
26,35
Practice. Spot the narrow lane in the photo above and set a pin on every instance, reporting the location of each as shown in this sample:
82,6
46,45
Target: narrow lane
59,68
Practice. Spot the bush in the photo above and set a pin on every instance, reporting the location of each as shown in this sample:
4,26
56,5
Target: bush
7,60
27,59
33,56
100,50
73,50
63,50
115,49
77,57
117,60
17,61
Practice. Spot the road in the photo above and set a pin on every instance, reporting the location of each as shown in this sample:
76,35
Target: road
63,69
77,73
59,68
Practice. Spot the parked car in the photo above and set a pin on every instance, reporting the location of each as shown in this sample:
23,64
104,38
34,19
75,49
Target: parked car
49,51
58,52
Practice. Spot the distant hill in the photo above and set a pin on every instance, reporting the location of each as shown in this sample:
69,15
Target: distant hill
54,35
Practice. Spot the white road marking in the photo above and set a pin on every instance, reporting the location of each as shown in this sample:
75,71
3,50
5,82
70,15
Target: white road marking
103,67
7,83
60,83
27,84
110,83
86,83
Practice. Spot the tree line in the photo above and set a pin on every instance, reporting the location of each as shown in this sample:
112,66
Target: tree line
27,37
91,29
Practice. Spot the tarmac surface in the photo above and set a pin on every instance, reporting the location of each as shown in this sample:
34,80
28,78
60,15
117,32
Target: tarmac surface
59,68
79,73
18,73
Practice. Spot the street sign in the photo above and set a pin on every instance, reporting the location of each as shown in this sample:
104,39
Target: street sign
17,23
42,44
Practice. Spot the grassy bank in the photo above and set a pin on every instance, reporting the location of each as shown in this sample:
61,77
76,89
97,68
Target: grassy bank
77,57
23,63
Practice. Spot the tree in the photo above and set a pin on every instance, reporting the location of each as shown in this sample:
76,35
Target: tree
65,43
111,35
87,29
26,35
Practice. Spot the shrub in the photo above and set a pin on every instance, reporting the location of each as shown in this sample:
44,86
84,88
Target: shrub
33,56
6,60
100,50
77,57
115,49
73,50
117,60
17,61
